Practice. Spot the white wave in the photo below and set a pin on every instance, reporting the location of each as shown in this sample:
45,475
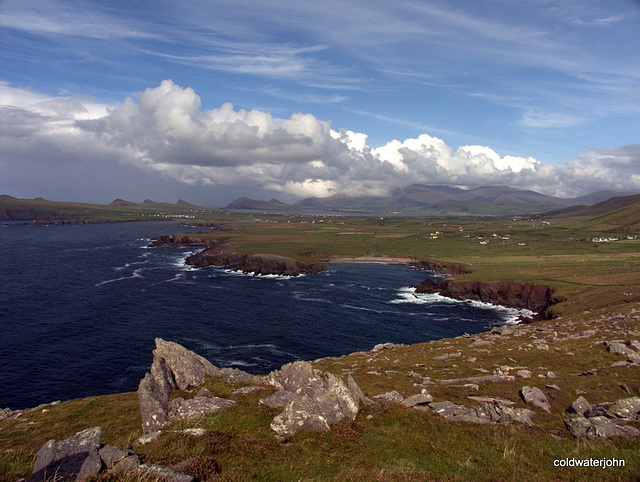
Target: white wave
252,274
240,363
135,274
509,315
301,297
361,308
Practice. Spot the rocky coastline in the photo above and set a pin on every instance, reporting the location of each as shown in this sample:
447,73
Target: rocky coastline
512,294
223,254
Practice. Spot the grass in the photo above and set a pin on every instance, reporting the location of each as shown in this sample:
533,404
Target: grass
597,282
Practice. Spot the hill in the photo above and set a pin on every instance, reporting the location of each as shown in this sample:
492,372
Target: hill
58,212
484,200
248,203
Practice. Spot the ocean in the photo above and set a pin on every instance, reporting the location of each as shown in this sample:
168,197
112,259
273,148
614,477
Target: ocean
80,306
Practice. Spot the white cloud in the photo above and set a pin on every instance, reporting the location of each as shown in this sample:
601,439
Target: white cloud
165,132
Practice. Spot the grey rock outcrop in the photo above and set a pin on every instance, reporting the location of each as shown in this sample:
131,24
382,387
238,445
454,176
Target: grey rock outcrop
627,408
536,397
392,396
69,459
173,367
82,456
117,459
418,400
580,405
599,427
621,348
181,409
486,412
313,400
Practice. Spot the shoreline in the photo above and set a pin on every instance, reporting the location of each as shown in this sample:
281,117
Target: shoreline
371,259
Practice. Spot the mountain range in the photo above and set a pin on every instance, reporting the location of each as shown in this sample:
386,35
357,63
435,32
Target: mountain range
485,200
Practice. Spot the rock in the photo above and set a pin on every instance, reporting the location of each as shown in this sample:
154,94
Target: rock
159,472
480,379
417,400
128,464
536,397
627,408
448,355
596,410
302,414
457,413
478,342
392,396
187,368
469,387
524,373
112,456
246,391
622,349
383,346
497,412
579,406
233,375
173,367
357,393
506,403
317,400
281,398
598,427
69,459
181,409
487,412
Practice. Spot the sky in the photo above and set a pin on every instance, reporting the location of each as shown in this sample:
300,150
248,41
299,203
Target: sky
210,100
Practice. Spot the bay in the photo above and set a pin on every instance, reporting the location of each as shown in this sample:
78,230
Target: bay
80,306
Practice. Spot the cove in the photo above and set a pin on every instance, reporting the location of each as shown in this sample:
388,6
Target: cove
82,304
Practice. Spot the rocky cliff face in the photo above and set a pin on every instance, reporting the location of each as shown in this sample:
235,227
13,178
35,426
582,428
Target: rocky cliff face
512,294
223,254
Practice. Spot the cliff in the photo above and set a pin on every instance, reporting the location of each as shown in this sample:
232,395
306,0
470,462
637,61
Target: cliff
512,294
223,254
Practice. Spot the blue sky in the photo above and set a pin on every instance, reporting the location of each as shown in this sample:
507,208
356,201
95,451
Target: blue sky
211,100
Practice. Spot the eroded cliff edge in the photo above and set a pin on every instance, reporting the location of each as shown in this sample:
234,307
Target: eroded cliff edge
223,254
512,294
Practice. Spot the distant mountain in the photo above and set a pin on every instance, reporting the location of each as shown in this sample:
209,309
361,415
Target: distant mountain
247,203
182,202
598,209
121,203
484,200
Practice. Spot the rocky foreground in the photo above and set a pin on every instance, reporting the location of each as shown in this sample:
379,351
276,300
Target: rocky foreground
524,375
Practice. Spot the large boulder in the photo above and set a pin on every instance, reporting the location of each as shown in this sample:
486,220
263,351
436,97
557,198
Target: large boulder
314,400
536,397
173,367
486,412
69,459
599,427
185,367
627,408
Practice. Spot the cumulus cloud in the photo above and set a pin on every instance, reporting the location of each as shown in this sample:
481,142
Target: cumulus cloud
165,133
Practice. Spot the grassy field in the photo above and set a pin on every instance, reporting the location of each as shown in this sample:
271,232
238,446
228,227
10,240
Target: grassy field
600,284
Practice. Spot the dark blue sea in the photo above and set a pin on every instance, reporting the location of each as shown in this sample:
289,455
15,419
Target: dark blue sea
80,306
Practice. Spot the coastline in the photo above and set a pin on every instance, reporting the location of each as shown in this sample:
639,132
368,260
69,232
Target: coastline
371,259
